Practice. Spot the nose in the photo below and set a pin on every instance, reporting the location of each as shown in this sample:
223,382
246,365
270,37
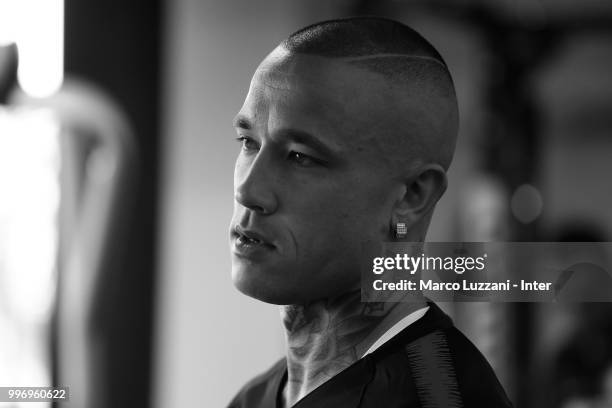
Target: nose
254,186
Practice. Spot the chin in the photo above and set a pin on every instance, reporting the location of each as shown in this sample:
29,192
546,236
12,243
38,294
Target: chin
264,287
257,284
264,294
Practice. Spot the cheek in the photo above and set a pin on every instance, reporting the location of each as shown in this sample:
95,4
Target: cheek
338,213
334,221
348,203
318,220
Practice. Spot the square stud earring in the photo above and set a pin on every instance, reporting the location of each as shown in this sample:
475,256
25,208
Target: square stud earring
400,230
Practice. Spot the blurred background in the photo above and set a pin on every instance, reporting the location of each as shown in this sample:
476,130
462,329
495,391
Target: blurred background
116,163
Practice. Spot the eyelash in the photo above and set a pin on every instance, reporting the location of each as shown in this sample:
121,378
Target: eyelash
244,140
292,154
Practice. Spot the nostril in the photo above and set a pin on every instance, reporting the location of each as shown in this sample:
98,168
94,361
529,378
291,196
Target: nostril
258,209
253,204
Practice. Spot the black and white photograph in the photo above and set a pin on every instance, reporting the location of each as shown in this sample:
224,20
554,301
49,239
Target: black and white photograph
308,204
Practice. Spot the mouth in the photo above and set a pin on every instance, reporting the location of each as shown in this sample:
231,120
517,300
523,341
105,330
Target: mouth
246,241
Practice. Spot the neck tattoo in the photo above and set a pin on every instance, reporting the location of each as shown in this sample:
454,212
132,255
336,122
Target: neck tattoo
327,336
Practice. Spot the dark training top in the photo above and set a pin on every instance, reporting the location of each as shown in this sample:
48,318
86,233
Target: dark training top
428,364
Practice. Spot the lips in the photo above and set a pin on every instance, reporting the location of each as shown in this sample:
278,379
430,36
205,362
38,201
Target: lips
250,239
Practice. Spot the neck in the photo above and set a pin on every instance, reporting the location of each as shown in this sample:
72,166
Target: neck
327,336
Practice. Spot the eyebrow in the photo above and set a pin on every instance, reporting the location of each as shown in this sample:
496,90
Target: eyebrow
291,135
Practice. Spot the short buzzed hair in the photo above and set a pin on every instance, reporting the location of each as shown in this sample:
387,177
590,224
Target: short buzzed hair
385,47
358,37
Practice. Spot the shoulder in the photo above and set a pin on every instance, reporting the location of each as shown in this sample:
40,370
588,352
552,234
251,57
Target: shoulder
261,389
439,366
478,383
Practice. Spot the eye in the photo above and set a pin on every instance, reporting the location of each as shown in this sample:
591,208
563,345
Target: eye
303,159
247,143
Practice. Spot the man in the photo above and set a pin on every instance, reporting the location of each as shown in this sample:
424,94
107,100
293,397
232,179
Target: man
347,130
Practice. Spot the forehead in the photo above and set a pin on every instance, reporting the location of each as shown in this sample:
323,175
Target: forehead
327,96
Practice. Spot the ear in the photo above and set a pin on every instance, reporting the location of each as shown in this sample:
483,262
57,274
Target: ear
421,194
